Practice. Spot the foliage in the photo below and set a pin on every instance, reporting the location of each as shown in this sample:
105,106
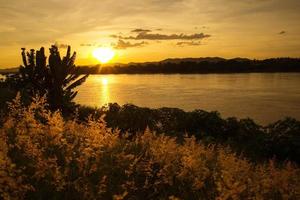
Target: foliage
57,79
280,140
43,156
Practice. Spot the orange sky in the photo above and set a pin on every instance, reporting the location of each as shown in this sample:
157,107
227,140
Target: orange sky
151,30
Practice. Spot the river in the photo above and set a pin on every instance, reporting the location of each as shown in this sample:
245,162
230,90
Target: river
264,97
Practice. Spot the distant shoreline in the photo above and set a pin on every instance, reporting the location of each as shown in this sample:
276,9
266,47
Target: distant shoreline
204,73
210,65
200,66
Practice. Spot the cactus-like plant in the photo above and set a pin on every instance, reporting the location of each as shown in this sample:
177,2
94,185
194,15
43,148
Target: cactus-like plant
56,80
34,71
64,77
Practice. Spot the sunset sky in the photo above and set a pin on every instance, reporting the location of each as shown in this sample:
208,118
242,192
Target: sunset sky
151,30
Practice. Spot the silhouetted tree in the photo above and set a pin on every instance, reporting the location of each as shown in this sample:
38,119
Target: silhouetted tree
56,80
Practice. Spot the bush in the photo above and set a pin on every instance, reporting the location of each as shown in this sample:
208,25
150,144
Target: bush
278,140
43,156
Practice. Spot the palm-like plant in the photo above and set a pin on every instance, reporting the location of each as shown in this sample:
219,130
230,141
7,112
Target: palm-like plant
57,79
32,75
64,77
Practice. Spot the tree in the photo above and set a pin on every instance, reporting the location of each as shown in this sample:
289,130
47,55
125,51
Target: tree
56,80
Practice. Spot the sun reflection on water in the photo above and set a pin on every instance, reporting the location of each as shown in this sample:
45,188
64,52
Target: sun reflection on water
104,81
104,90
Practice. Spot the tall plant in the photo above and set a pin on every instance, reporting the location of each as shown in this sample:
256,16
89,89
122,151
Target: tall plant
64,77
57,80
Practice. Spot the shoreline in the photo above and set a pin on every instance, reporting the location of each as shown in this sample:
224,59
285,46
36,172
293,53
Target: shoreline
175,73
155,109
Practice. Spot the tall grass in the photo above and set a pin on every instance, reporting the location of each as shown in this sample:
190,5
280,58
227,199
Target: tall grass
43,156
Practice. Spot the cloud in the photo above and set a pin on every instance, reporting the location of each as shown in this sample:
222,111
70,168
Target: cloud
124,45
18,17
282,33
115,36
61,45
153,36
95,16
139,30
203,27
87,45
192,43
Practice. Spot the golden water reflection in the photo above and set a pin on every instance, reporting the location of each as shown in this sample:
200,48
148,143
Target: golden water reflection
104,94
263,97
97,90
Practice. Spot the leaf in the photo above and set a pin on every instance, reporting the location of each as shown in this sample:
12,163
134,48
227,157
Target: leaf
78,82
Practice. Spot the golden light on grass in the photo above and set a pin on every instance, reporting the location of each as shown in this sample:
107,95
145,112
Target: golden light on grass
104,54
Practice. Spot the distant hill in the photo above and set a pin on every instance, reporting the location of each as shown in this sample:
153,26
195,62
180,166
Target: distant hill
192,66
196,60
205,65
9,70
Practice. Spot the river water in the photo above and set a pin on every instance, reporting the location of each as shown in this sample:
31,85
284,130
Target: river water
264,97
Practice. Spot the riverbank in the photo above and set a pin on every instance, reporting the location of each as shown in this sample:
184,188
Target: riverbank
258,143
279,139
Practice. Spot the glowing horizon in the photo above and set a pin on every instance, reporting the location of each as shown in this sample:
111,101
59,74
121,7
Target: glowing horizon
104,55
151,30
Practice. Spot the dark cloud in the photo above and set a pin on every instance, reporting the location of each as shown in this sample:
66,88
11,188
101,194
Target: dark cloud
202,27
87,45
115,36
61,46
139,30
124,45
156,36
282,33
192,43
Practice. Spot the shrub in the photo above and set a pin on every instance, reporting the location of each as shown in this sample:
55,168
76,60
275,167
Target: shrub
278,140
43,156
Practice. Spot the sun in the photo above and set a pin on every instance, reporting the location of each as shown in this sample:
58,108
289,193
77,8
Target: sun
104,54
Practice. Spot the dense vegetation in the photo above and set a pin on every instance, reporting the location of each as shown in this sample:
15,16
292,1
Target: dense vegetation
201,65
43,156
280,140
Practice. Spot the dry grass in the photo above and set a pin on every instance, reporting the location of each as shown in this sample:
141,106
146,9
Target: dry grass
42,156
